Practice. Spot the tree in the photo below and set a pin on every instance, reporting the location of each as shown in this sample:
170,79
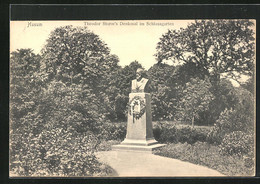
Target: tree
221,47
164,91
58,100
238,118
80,62
245,109
188,71
73,54
225,98
24,89
119,89
195,99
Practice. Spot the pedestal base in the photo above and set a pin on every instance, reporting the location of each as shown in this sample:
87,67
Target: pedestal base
137,145
139,135
137,142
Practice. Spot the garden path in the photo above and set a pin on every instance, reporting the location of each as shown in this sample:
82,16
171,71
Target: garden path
141,164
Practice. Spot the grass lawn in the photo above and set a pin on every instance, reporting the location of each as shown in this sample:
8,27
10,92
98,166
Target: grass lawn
207,155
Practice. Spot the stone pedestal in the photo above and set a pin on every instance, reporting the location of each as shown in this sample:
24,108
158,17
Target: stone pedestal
139,135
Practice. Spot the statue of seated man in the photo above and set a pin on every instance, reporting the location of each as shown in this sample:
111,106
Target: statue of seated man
140,84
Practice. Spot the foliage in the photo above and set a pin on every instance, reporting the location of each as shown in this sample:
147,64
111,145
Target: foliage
238,143
217,49
62,101
112,131
241,118
80,69
205,154
119,89
195,99
71,104
218,46
76,56
24,88
225,97
163,91
55,152
59,97
167,132
188,71
245,107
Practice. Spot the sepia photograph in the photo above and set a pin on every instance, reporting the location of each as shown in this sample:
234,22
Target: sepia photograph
132,98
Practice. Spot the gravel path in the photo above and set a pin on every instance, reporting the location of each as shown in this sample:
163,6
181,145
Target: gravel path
140,164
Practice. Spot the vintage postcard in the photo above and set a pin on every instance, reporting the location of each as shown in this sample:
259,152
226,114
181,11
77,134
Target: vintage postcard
132,98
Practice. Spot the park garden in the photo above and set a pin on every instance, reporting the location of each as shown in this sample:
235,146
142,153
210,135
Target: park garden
70,101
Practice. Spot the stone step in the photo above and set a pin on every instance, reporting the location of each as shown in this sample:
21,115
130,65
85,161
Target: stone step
138,148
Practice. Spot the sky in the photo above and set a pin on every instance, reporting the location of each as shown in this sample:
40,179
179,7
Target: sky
130,40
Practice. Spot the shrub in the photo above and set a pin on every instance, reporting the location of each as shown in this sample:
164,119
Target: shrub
54,152
112,131
249,159
194,135
238,118
165,132
230,120
168,132
208,155
237,143
224,125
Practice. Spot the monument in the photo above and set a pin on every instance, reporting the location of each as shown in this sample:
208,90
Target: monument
139,136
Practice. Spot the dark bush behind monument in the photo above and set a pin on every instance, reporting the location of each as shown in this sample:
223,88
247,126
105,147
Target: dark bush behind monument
139,134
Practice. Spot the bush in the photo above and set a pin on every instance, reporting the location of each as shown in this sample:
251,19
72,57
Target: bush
229,121
112,131
55,152
166,132
163,132
249,159
224,125
237,143
206,154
